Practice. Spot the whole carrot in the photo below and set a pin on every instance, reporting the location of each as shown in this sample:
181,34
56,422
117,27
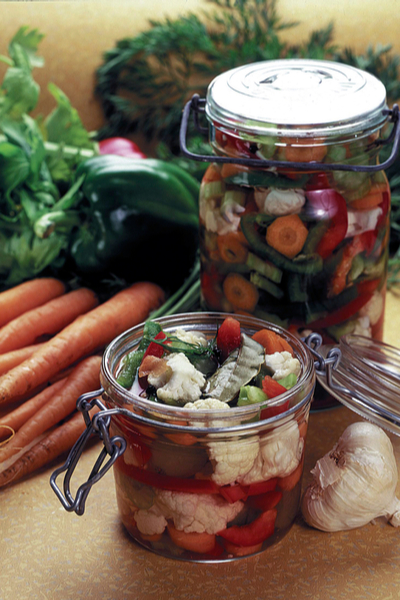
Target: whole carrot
50,447
13,420
87,333
84,378
47,319
9,360
28,295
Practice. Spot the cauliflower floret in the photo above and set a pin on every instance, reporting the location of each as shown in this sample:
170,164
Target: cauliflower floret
279,455
191,337
359,221
185,383
362,326
150,521
279,202
282,364
208,404
232,460
197,512
219,222
374,308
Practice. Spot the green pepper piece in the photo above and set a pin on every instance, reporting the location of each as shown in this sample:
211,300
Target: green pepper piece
289,381
266,179
250,394
130,365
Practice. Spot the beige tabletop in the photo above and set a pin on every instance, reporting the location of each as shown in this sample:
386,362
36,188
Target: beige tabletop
47,553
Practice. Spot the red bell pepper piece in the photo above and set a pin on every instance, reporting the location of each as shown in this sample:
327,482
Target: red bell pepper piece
365,290
329,204
253,533
167,482
121,147
265,501
233,493
228,336
271,387
154,349
262,487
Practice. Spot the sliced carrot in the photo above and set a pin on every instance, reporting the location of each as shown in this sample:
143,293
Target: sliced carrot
372,199
290,481
25,296
303,429
212,174
241,550
193,541
230,169
47,319
233,247
56,443
299,150
84,378
287,235
86,334
9,360
272,341
156,537
183,439
20,415
240,292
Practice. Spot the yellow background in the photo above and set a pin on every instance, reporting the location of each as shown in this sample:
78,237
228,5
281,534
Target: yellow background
79,31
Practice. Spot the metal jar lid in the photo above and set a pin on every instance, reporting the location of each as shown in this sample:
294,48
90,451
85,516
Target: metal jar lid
362,374
305,98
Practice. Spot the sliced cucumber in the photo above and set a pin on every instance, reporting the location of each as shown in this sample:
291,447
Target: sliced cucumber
265,284
264,267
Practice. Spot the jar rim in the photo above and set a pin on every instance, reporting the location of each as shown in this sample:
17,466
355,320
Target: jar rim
157,412
303,98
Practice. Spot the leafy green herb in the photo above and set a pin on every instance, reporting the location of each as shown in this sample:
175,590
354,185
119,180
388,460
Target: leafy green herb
35,171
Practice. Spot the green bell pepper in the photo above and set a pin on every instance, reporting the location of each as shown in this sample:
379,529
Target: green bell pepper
131,217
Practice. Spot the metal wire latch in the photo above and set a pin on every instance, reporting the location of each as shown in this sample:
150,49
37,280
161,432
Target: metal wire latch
197,106
112,448
324,366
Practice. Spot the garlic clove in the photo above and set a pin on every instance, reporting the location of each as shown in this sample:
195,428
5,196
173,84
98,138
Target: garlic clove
354,483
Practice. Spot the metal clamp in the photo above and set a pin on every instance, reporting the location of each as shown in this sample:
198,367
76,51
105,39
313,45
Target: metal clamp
197,105
112,448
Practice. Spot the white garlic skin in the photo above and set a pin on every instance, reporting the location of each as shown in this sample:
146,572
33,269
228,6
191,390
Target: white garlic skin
354,483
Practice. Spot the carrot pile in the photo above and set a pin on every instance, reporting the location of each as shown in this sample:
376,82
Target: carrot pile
51,342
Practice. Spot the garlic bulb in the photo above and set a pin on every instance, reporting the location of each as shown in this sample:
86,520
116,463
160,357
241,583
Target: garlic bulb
355,482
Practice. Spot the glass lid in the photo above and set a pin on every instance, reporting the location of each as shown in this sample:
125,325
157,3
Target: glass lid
366,379
312,97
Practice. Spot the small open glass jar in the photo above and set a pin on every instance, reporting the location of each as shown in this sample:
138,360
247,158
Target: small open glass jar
294,208
203,485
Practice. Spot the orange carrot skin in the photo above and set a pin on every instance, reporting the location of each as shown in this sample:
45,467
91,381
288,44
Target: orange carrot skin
89,332
28,295
47,319
20,415
9,360
59,441
84,378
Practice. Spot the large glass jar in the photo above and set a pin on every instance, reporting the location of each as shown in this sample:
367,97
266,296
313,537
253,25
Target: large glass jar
300,246
208,485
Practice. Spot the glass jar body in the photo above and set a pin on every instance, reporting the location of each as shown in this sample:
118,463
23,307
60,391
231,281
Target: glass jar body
306,250
209,486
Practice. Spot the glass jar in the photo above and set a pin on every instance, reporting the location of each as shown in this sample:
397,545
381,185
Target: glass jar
201,485
290,235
